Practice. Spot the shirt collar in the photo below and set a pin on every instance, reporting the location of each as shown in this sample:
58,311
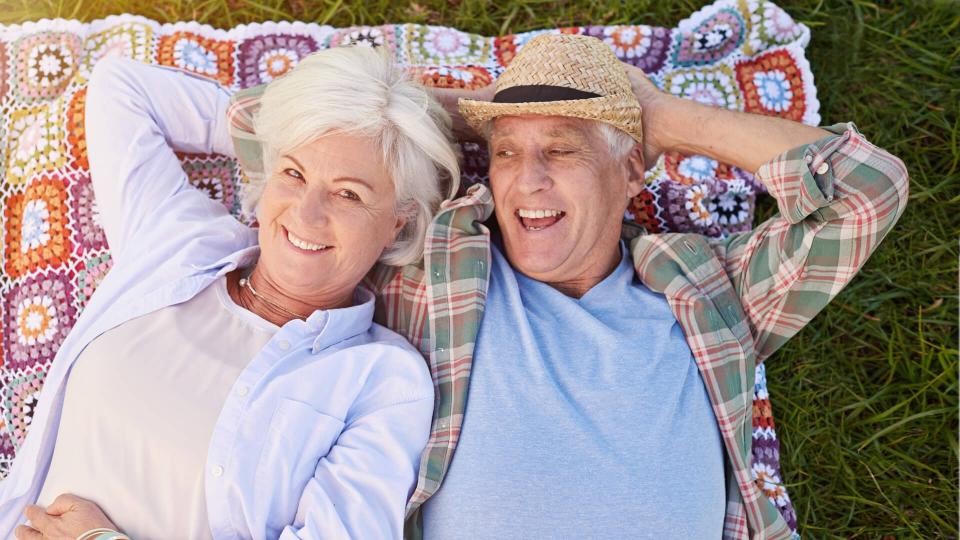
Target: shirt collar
336,325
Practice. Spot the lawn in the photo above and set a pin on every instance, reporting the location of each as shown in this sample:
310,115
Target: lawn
866,395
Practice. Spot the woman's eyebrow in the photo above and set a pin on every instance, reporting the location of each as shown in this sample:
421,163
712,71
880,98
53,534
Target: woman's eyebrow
294,160
354,179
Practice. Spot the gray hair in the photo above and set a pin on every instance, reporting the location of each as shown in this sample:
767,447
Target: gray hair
619,142
359,91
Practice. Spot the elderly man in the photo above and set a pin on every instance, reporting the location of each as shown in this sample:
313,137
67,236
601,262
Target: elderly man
588,390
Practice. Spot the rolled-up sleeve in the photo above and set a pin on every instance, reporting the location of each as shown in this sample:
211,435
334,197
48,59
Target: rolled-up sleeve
838,198
244,106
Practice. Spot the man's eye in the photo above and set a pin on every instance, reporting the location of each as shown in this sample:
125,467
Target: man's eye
293,173
349,195
504,153
560,152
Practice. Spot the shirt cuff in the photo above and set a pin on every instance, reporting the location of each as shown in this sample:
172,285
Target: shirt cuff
802,178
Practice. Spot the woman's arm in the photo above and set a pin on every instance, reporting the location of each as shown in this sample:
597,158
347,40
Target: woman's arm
137,116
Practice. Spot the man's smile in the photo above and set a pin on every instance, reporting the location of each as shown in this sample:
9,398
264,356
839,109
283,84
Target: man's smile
538,219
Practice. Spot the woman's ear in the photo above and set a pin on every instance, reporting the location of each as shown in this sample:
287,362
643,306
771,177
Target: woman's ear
402,218
635,171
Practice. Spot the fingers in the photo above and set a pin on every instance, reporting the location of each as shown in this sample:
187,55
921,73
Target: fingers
22,532
37,516
63,504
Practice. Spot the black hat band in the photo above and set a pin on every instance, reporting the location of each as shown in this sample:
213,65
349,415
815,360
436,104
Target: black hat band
540,93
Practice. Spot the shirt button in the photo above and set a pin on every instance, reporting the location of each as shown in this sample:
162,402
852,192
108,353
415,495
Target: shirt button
243,390
284,345
823,168
809,158
217,471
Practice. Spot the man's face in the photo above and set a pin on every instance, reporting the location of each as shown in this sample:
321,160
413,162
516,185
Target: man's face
560,196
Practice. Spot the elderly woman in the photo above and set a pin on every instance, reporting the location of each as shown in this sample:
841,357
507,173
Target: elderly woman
229,382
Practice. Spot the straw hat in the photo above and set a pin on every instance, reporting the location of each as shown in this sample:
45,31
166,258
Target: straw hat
562,75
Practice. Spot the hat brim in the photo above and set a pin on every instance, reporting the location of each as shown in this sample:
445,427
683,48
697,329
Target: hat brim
618,111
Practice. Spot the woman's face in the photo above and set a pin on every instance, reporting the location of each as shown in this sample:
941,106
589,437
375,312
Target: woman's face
327,212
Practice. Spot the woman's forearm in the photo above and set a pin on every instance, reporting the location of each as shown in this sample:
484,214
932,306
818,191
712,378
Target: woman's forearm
137,116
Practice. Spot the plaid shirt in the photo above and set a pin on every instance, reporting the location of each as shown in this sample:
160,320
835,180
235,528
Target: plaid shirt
738,299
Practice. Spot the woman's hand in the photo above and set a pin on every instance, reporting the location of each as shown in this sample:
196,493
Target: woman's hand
67,517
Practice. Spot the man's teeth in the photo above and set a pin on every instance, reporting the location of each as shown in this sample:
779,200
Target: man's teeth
302,244
538,214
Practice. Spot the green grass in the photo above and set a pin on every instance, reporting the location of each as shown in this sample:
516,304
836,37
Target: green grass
866,396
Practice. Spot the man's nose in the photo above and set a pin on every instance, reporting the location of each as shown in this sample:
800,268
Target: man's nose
534,175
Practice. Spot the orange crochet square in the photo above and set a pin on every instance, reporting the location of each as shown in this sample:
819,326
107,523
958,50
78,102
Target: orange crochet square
36,223
772,84
208,57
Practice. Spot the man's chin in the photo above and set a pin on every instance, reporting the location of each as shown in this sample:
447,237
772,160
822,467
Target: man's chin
538,262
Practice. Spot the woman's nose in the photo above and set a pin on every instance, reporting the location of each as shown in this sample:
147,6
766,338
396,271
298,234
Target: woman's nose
313,208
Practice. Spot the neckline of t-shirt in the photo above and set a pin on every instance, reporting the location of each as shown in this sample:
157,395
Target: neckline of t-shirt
240,312
623,269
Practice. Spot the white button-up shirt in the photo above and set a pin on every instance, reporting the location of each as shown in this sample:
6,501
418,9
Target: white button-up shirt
322,433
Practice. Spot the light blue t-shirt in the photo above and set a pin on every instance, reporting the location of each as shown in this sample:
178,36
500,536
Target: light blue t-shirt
585,419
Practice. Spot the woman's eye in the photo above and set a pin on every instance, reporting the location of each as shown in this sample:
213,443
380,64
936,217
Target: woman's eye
293,173
347,194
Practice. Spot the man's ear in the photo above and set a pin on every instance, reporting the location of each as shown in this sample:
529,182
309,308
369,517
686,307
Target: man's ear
635,170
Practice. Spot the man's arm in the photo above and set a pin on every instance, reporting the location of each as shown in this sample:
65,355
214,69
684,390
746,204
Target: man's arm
685,126
838,197
243,107
449,98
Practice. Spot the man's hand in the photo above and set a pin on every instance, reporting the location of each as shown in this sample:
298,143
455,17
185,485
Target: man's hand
654,103
66,518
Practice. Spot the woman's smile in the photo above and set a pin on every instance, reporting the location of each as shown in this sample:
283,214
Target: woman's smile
304,245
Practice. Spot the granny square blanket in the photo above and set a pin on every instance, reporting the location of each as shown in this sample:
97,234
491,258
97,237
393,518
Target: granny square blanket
740,54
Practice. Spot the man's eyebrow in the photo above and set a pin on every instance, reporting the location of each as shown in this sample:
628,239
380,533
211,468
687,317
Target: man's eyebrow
556,132
565,131
501,133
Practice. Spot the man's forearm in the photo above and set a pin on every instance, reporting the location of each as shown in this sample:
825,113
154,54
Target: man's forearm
741,139
449,98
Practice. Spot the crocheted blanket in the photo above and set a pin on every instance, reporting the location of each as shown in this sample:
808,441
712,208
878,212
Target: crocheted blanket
740,54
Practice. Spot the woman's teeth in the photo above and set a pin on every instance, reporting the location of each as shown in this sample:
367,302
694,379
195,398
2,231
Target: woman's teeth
303,244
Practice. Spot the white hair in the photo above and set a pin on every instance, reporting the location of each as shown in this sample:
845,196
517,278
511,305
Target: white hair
359,91
619,142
